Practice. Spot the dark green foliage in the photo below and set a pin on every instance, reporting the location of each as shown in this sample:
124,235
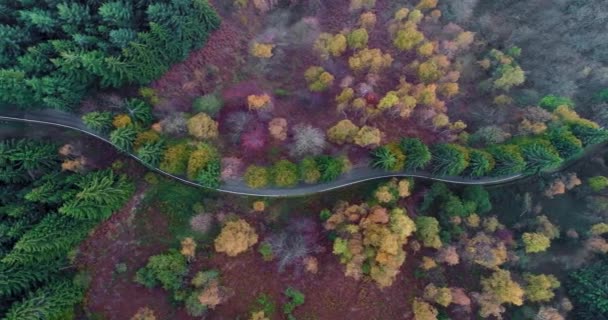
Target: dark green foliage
479,197
330,168
588,287
18,280
140,112
296,298
264,303
566,143
449,159
481,163
416,152
53,52
49,302
123,138
508,160
551,102
383,158
31,157
602,96
151,153
540,156
589,135
167,269
209,104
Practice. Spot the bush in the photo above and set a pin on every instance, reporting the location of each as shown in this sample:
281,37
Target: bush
285,174
209,104
551,102
257,177
296,298
235,238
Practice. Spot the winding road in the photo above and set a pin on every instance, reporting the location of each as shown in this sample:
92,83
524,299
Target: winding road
238,187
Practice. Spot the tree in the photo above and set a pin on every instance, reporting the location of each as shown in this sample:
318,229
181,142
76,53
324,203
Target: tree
331,45
449,159
481,163
167,269
257,177
318,79
368,136
428,231
235,238
98,121
565,142
140,111
597,183
308,141
540,156
509,160
502,288
418,154
423,310
357,39
478,196
589,135
539,288
535,242
343,132
175,159
489,135
201,126
372,60
200,159
151,153
285,174
209,104
330,168
408,37
587,287
551,102
309,171
440,295
49,302
123,138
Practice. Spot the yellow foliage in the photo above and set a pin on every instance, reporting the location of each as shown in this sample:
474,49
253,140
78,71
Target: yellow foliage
426,4
402,14
502,100
144,313
343,132
258,102
505,290
472,220
441,120
259,315
121,121
330,45
389,100
440,295
404,188
261,50
368,136
367,20
464,39
449,89
259,206
539,288
407,37
415,16
599,229
345,96
277,128
423,310
566,114
458,125
145,137
426,49
359,103
199,159
361,4
372,60
188,249
318,79
201,126
236,237
428,263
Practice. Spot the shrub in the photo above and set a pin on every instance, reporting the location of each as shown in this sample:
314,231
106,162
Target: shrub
209,104
551,102
295,299
418,154
235,238
285,174
201,126
449,159
597,183
309,171
168,269
257,177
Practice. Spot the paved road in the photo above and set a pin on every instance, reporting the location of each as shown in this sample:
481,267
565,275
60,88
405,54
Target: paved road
357,175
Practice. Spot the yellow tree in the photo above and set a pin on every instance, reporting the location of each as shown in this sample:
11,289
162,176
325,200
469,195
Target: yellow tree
201,126
235,238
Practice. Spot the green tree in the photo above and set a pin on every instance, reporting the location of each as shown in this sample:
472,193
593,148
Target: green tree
331,168
588,134
49,302
540,156
167,269
449,159
209,104
427,230
383,158
418,154
151,153
140,111
551,102
597,183
565,142
587,288
509,160
481,163
479,196
123,138
285,173
98,121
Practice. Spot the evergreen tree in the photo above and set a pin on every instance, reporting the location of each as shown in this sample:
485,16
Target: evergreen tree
540,156
98,121
480,164
566,143
49,302
140,111
418,154
123,138
383,158
449,159
508,160
589,135
151,153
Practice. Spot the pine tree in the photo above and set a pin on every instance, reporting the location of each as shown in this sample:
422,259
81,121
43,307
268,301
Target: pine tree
18,280
508,160
100,121
140,111
49,302
123,138
449,159
418,154
481,164
540,156
588,134
151,153
383,158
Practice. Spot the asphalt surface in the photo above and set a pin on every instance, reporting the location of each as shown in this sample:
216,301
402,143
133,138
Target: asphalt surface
357,175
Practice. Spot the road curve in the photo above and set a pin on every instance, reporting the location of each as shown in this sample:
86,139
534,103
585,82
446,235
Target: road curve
238,187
